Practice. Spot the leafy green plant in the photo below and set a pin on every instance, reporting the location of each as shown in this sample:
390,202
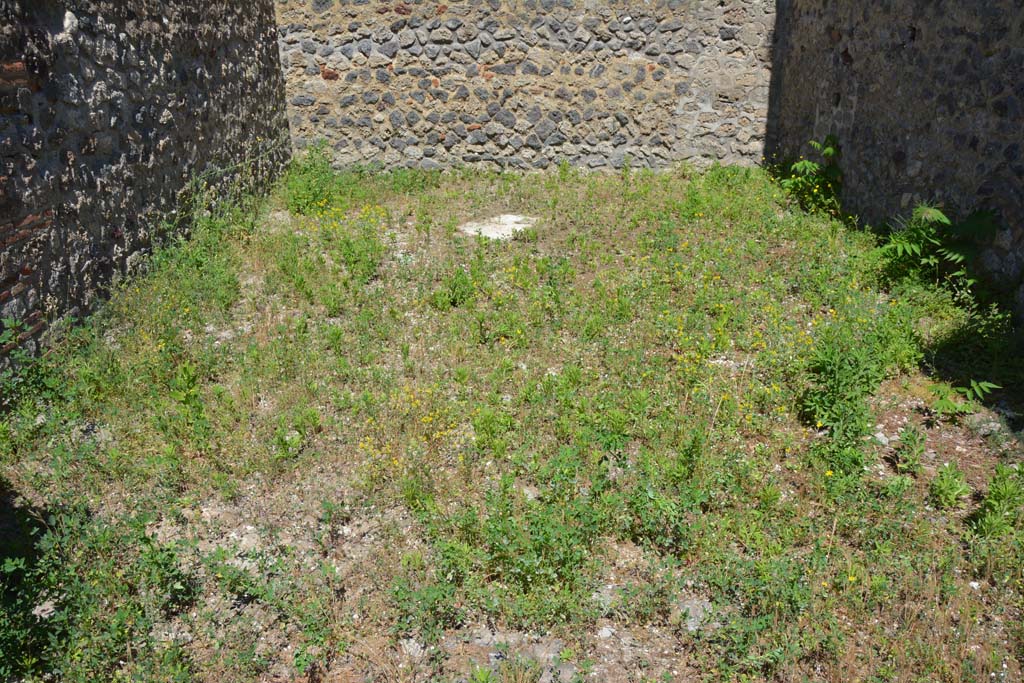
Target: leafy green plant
1002,509
816,185
456,289
953,402
662,501
910,450
10,328
427,609
292,432
847,365
21,375
977,391
360,247
948,487
310,181
90,592
846,373
929,245
288,441
187,419
896,487
544,542
915,242
947,402
855,351
520,670
482,674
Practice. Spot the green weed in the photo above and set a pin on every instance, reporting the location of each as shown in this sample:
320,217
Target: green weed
310,182
911,448
816,185
93,593
1000,511
949,487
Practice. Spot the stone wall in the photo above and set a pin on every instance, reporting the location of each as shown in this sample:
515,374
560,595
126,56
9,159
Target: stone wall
925,96
107,109
927,100
524,83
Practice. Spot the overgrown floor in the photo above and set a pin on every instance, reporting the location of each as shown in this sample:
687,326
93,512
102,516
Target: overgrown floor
676,431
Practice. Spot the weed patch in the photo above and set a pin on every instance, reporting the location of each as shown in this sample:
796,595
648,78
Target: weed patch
353,429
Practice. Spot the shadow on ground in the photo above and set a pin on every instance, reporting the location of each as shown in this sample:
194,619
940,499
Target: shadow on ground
21,628
825,80
998,357
20,525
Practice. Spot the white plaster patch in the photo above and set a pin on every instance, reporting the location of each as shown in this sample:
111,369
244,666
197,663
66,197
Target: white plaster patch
502,227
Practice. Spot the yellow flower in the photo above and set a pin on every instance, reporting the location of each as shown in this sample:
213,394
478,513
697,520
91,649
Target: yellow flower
828,473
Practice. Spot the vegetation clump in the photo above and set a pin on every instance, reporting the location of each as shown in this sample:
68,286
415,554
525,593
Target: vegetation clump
330,433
